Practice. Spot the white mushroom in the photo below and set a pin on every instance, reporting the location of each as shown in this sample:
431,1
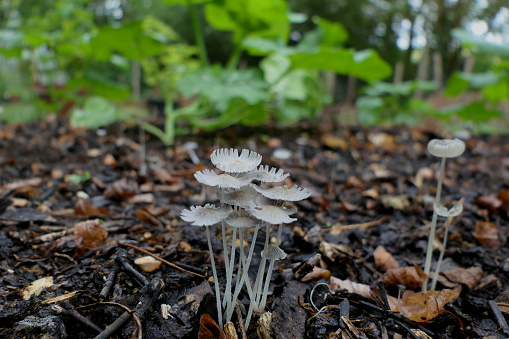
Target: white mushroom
239,197
446,148
294,193
448,213
273,252
265,175
205,215
230,160
224,180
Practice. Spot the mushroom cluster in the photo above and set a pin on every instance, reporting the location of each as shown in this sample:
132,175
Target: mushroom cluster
244,205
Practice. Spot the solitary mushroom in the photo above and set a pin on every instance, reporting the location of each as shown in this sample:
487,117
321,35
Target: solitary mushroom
442,148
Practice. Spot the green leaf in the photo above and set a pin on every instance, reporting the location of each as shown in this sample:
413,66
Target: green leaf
333,33
460,82
185,2
129,40
261,46
479,45
221,86
369,110
365,65
18,113
260,18
274,67
497,92
96,112
477,112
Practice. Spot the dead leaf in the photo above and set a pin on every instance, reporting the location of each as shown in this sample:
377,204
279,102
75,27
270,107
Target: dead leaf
486,233
22,184
333,141
316,274
424,173
350,286
384,260
335,251
422,307
469,277
87,208
109,160
37,287
145,216
490,202
209,329
87,234
410,277
119,191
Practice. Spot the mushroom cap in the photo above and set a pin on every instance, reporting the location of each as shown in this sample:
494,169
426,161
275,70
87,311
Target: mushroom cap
230,160
224,180
446,148
448,213
294,193
272,214
242,219
265,175
205,215
273,252
240,197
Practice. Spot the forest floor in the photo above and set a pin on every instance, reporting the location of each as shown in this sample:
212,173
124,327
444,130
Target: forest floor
77,206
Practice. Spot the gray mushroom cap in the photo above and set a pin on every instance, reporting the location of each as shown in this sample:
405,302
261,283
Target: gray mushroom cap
273,252
205,215
224,180
294,193
448,213
229,160
446,148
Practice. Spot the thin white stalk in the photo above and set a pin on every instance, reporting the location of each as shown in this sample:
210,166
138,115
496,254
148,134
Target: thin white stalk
259,277
261,306
216,281
229,272
245,277
441,257
431,237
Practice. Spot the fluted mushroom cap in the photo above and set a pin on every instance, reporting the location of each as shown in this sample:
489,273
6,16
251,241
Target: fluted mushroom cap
224,180
265,175
242,219
448,213
273,214
446,148
230,160
205,215
273,252
240,197
294,193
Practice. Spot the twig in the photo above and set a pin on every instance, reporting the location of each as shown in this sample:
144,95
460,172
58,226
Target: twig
121,257
499,316
307,266
161,259
112,328
354,226
109,281
72,313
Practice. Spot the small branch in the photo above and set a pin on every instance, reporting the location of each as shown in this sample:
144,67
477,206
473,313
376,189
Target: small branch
161,259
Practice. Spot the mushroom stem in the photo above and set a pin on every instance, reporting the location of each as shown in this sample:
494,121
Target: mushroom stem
261,306
441,256
229,271
216,282
431,237
245,277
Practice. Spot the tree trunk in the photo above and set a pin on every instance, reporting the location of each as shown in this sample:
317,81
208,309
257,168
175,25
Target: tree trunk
438,74
422,69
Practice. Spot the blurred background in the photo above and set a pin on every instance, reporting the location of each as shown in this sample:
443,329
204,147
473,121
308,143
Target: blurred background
181,66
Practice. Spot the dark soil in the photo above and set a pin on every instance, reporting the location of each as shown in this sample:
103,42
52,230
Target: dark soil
370,188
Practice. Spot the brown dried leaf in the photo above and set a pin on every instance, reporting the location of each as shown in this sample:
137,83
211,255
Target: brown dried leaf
23,184
87,208
384,260
164,177
490,202
209,329
109,160
422,307
119,191
469,277
350,286
503,195
91,233
486,233
316,274
146,217
410,277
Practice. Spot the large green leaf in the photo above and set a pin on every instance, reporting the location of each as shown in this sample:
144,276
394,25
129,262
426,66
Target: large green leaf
479,45
185,2
261,18
130,40
96,112
261,46
274,67
365,65
369,110
459,82
498,91
221,86
327,33
477,112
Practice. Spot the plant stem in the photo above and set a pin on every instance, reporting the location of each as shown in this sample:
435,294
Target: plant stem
233,61
431,237
198,34
441,256
216,282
